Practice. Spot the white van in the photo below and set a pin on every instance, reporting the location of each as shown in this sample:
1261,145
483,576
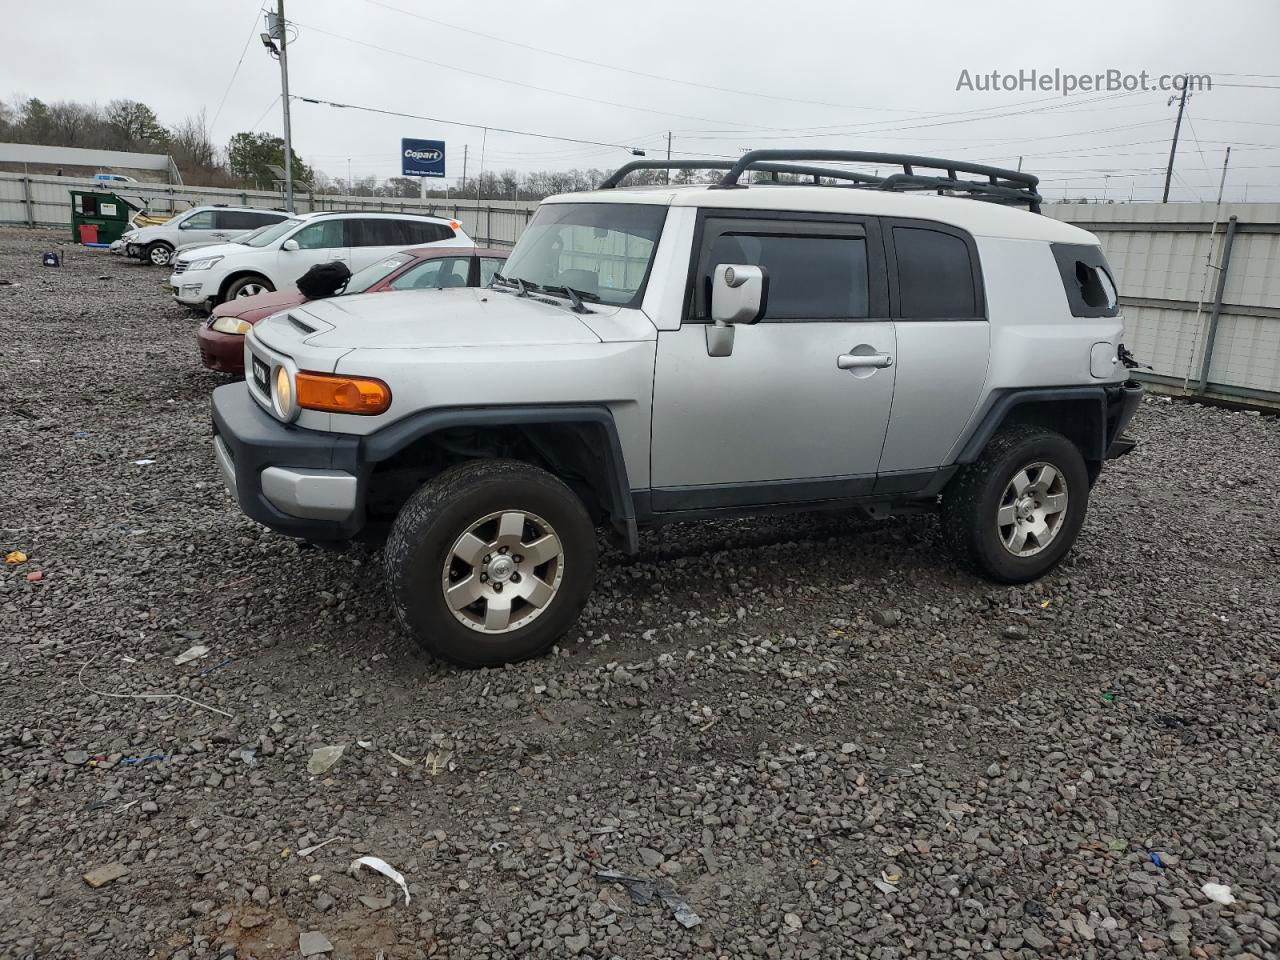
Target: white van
274,257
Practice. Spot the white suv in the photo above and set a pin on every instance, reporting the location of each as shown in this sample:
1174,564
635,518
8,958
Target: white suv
276,256
663,353
199,225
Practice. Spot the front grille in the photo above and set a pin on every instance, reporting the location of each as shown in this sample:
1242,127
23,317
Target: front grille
179,267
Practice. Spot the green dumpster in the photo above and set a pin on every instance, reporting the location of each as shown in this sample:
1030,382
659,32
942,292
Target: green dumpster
98,217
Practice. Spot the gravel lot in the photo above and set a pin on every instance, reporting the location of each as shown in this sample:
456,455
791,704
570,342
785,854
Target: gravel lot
813,729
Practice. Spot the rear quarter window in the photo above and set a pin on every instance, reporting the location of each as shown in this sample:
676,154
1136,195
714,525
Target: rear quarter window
1086,280
936,274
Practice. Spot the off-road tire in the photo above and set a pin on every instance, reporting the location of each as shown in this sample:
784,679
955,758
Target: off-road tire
972,499
158,254
239,283
422,539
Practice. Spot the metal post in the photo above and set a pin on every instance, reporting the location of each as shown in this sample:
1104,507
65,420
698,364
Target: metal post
488,223
463,185
284,98
1217,304
1173,149
1223,182
26,195
668,156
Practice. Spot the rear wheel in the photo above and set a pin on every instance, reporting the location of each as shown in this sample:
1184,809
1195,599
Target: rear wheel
491,562
159,254
249,286
1014,513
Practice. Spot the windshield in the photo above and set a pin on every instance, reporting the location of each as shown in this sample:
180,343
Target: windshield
246,237
362,280
266,235
601,249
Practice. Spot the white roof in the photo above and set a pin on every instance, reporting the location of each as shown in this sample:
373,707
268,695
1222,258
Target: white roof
980,218
388,214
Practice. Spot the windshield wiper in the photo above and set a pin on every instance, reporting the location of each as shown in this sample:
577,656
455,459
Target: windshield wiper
575,296
522,286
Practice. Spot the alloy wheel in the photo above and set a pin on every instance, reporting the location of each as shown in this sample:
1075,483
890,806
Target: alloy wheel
503,571
1032,509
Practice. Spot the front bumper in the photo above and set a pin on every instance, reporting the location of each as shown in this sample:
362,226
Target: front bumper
302,483
220,351
192,289
1122,402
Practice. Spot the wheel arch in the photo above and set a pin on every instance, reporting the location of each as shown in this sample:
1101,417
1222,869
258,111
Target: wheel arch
578,443
1078,413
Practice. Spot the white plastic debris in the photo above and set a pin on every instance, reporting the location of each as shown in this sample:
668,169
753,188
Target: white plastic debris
384,868
322,758
399,759
1218,893
195,653
308,851
143,463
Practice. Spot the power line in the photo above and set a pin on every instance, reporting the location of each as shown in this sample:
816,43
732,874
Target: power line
270,107
636,73
459,123
253,32
522,84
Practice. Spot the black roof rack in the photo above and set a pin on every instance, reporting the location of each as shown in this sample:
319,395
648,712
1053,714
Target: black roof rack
996,185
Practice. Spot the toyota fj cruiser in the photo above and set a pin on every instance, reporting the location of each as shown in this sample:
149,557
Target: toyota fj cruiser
659,353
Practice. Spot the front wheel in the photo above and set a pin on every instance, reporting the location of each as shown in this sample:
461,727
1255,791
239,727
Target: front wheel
249,286
490,562
1013,514
159,254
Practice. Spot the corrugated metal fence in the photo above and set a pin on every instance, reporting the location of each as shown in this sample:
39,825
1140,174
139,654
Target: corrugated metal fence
46,201
1167,258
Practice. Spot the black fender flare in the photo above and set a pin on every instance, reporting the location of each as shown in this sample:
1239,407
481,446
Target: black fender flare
1001,404
391,439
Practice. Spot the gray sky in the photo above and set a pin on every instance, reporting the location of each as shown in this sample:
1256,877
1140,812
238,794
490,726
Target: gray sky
869,76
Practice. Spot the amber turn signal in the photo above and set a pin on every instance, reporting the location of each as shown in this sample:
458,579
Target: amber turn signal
335,393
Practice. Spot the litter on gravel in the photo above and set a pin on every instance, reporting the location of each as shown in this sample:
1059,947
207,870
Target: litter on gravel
384,868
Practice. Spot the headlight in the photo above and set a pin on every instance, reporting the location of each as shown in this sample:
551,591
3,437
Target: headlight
231,325
282,394
204,264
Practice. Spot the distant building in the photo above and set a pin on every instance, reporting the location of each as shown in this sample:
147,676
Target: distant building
35,158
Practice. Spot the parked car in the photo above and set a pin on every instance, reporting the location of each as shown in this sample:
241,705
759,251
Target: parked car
666,353
221,338
156,244
274,259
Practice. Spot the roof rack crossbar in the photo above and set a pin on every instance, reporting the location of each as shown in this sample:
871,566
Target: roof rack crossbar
996,184
772,168
1014,181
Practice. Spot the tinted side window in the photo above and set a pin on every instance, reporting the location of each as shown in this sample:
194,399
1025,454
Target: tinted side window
376,233
935,275
420,232
810,277
238,220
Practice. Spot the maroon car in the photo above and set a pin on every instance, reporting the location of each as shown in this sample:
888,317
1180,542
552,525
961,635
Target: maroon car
221,339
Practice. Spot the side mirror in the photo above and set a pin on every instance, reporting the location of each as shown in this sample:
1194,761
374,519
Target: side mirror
289,244
739,294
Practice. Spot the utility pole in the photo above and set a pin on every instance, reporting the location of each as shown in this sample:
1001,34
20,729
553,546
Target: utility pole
284,97
1019,164
1177,126
668,155
351,187
463,185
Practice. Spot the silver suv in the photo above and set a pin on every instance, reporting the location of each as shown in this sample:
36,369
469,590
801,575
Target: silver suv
217,224
663,353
